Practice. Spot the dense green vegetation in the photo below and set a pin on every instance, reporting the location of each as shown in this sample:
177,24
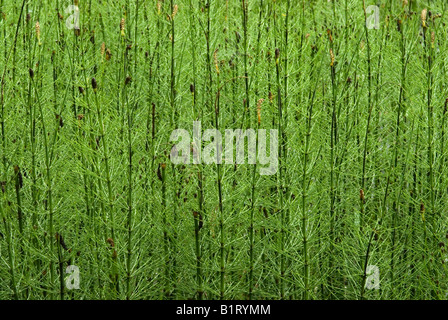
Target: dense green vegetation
86,178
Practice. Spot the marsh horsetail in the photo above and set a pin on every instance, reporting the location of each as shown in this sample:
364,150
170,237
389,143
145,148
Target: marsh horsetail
223,150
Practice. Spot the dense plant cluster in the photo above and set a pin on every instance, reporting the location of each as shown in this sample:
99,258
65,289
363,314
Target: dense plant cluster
88,106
